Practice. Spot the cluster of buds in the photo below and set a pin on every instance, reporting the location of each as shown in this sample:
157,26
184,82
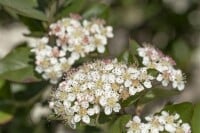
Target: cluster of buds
69,39
154,59
163,122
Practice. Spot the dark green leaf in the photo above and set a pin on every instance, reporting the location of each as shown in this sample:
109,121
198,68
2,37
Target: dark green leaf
92,129
5,91
24,8
185,110
104,118
74,7
196,119
132,99
119,124
16,66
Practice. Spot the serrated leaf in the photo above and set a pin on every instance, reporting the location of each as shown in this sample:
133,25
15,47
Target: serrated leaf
196,119
16,66
185,110
25,8
119,124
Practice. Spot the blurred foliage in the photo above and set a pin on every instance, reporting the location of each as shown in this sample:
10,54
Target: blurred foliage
165,23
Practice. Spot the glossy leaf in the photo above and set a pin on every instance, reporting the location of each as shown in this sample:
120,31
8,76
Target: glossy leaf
119,124
196,119
16,66
25,8
185,110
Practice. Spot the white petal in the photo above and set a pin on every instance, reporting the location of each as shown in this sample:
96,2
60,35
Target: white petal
77,118
159,77
147,84
101,49
86,119
108,110
91,111
132,91
170,128
102,101
117,107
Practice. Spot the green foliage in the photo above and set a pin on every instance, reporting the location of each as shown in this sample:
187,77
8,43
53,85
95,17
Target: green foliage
97,10
196,119
24,8
155,94
16,66
118,126
185,110
73,6
21,87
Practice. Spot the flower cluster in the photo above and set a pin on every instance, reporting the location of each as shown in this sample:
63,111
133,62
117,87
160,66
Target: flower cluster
96,87
164,122
154,59
69,39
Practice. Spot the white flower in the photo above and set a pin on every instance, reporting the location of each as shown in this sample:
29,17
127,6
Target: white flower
73,39
135,126
163,122
154,59
99,41
178,80
154,124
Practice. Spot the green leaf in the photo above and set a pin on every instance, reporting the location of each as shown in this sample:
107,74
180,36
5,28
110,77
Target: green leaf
5,91
75,6
132,99
124,57
97,10
6,113
5,117
24,8
16,66
92,129
155,94
104,118
133,46
196,119
185,110
119,124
